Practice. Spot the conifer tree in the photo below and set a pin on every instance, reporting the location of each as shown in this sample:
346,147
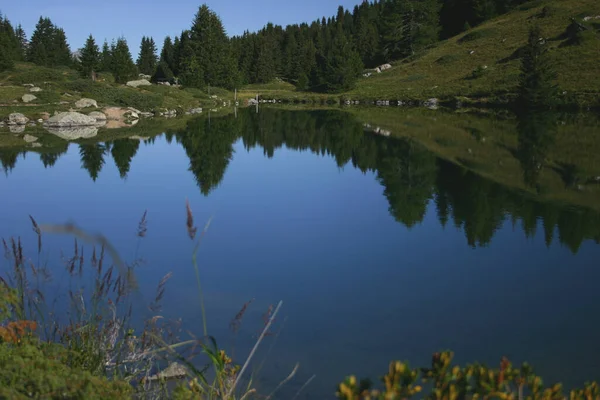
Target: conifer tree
343,64
22,42
48,45
537,88
167,54
146,61
89,62
122,66
105,58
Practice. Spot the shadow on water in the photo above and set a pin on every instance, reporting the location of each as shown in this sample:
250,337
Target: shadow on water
411,174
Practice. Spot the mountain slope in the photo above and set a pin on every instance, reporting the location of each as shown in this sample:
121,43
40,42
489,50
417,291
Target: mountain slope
484,61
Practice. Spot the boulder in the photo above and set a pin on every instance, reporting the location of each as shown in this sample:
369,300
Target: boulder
30,138
140,82
378,70
131,115
385,67
68,119
73,132
146,77
36,144
115,113
98,115
431,103
147,114
28,98
28,85
17,119
195,111
16,128
135,110
84,103
35,89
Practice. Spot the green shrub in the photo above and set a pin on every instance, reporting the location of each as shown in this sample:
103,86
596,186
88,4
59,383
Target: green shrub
47,96
123,97
80,85
36,370
478,72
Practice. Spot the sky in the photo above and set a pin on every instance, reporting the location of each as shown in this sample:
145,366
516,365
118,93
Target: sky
133,19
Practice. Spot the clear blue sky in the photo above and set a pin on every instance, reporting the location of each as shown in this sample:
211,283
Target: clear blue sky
136,18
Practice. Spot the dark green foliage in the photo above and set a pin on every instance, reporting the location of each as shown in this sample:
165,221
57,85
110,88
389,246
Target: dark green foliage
123,151
106,58
474,35
89,61
537,89
167,54
39,370
10,44
578,33
23,42
122,66
205,56
146,61
6,62
162,73
92,158
537,131
48,45
343,64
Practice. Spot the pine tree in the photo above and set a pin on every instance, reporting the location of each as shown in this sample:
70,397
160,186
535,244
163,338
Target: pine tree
191,72
22,40
167,54
393,30
420,25
9,41
6,62
105,58
48,45
162,73
343,64
90,59
537,89
146,61
123,68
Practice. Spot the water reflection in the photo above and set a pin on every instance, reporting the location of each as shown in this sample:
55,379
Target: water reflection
411,175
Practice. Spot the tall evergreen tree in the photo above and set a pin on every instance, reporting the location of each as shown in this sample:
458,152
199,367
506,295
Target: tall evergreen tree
89,61
22,42
106,58
146,61
122,66
48,45
420,24
343,64
537,88
167,54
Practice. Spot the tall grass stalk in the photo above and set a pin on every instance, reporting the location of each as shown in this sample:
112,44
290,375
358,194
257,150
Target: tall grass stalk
262,335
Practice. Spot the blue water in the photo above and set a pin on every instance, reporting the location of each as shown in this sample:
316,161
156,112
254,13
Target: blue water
359,287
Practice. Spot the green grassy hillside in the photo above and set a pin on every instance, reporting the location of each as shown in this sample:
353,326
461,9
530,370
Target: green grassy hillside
62,87
484,61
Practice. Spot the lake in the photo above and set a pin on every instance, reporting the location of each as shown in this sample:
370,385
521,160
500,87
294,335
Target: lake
387,233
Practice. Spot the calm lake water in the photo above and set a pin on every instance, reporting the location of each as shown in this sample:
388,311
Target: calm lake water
380,248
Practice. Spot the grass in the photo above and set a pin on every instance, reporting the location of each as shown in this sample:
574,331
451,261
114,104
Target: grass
62,87
444,68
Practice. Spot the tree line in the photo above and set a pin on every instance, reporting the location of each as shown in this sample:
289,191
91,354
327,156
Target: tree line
326,55
413,178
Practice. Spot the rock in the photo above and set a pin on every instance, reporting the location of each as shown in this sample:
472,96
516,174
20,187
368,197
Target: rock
135,110
472,52
17,119
28,98
368,74
141,82
252,102
195,111
431,103
385,67
99,116
84,103
173,371
45,115
68,119
214,96
36,144
132,115
35,89
31,123
73,132
378,70
146,77
147,114
67,94
30,138
16,128
384,132
1,124
40,120
28,85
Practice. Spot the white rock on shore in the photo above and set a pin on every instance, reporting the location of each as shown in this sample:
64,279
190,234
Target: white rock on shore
68,119
73,132
84,103
140,82
17,119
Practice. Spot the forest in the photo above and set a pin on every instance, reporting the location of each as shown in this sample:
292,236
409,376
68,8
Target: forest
325,55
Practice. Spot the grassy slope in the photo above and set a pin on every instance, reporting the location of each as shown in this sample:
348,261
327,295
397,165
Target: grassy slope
55,82
457,138
444,71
